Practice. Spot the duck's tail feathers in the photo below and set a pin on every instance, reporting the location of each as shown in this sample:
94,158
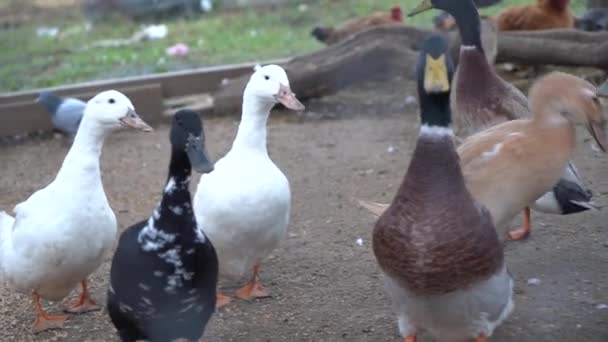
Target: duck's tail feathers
589,205
572,198
377,209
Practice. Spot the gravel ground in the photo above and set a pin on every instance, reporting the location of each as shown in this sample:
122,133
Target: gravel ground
325,286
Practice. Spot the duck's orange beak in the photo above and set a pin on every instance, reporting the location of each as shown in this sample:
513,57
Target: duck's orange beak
598,132
131,119
288,99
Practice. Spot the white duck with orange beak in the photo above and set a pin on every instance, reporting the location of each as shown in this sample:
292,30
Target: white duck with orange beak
61,233
244,204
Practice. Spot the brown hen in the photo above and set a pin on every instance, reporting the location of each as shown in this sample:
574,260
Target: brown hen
544,15
332,35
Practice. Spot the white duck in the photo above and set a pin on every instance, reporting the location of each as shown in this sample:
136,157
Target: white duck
61,233
244,203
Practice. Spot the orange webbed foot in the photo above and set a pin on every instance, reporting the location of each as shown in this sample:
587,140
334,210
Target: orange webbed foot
80,307
221,300
254,288
524,231
48,322
43,321
410,338
84,302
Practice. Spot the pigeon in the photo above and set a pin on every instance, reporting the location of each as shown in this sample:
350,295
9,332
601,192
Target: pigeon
66,113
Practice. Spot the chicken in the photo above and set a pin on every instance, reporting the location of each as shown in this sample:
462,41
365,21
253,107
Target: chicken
332,35
544,15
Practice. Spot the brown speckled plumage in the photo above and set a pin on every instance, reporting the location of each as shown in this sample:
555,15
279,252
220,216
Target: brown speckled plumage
433,238
481,99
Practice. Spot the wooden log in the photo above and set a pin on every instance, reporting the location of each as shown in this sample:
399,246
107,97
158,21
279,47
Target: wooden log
559,47
379,53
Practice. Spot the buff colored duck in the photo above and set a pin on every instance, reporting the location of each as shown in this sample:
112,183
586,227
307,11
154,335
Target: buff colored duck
509,166
482,99
437,247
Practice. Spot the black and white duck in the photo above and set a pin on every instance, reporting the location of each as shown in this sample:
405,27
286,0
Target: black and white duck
438,248
164,272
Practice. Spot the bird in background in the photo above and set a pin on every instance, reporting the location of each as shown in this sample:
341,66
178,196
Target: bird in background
66,112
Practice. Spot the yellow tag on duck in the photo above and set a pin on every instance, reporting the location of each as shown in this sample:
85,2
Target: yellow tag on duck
436,75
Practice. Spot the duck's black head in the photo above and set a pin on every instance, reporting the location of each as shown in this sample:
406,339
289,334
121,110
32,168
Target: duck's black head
434,72
187,135
464,12
50,101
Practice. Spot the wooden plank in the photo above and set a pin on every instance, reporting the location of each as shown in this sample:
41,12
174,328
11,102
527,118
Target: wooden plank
178,83
26,117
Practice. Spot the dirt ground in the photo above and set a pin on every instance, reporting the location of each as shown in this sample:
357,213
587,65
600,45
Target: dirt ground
325,286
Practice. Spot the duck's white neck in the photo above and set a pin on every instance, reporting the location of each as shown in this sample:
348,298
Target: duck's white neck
252,129
83,157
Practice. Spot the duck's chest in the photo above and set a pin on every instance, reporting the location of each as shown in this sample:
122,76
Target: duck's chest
154,281
260,184
81,213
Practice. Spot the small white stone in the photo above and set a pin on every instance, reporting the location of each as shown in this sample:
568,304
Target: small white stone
601,306
391,149
533,281
303,7
410,100
360,242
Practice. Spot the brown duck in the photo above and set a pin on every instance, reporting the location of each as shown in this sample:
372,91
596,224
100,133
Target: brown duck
481,99
508,166
438,248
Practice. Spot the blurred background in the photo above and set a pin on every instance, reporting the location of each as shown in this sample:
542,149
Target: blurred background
46,43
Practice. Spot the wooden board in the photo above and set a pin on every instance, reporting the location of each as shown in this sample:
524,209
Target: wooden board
20,114
174,84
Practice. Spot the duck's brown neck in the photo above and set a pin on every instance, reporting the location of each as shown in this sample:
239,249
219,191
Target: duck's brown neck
474,78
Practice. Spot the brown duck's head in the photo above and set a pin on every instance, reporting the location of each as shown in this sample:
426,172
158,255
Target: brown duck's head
573,98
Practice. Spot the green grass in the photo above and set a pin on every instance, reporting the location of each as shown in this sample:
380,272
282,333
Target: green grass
28,61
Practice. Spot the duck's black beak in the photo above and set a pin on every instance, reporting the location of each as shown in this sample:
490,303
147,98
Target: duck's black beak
425,5
197,153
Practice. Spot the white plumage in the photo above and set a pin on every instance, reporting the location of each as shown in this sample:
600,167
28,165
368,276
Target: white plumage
244,204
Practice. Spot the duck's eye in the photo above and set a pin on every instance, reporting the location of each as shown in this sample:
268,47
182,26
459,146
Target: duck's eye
266,77
111,101
596,100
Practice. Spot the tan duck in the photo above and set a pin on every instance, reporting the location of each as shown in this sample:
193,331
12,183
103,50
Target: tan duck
438,248
482,99
509,166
